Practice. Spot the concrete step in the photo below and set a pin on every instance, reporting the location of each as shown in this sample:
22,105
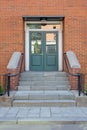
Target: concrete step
44,83
44,95
44,78
43,74
44,103
41,87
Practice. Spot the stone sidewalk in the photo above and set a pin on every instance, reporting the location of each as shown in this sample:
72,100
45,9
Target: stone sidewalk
44,127
43,115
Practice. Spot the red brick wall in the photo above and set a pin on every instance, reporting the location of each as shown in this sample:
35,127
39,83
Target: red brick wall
12,25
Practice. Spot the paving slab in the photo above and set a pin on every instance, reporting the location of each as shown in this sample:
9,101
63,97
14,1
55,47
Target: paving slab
49,121
43,115
45,127
8,120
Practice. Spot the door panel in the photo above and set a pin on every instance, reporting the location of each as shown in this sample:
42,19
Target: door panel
50,60
51,48
43,51
36,60
36,57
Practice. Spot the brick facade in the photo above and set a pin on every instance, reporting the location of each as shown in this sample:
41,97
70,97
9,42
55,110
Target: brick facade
12,26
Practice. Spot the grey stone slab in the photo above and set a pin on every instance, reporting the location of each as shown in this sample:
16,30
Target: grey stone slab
13,110
45,109
67,112
34,115
6,101
43,115
3,111
8,120
34,121
34,110
45,127
24,108
22,113
21,97
54,73
21,88
73,120
21,92
45,83
45,112
20,103
44,78
82,104
44,103
35,92
38,78
81,101
61,78
84,110
11,115
43,97
50,87
55,110
14,60
73,61
31,74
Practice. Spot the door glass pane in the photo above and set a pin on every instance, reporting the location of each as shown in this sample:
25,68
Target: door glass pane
36,41
51,43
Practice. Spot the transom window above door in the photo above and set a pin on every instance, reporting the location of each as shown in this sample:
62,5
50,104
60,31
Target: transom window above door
54,26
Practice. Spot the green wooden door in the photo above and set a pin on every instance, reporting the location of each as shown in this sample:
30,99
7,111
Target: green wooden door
43,51
36,51
51,51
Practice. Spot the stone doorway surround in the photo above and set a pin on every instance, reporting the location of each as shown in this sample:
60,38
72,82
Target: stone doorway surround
60,44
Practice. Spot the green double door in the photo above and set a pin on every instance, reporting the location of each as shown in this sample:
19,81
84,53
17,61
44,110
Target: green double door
43,50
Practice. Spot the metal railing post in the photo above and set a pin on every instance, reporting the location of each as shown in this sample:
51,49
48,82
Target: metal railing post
8,86
79,85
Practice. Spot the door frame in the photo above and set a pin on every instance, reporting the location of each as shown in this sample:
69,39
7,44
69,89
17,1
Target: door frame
27,47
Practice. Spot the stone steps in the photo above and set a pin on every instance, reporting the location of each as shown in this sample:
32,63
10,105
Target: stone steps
45,83
43,88
44,103
38,116
43,74
44,95
44,78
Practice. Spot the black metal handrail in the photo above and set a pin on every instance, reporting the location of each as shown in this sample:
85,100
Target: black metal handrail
14,75
9,75
78,75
